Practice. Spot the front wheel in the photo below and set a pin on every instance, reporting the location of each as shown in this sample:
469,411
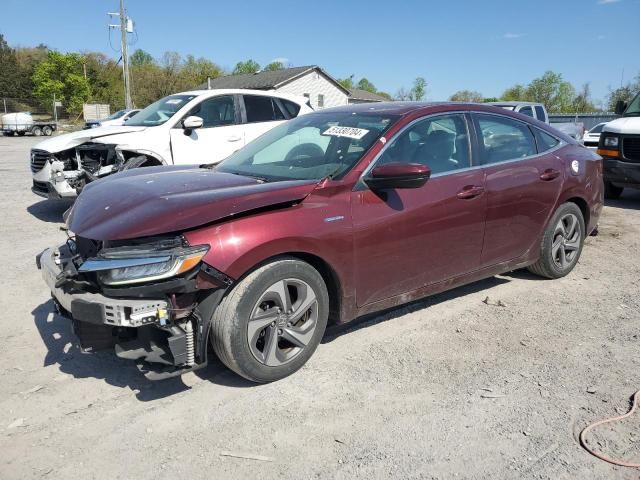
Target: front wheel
561,243
272,321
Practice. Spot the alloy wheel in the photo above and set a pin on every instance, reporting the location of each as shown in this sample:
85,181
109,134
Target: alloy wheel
566,241
282,322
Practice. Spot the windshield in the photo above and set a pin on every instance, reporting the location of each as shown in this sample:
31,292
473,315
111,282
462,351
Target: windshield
159,112
309,147
597,129
633,110
118,114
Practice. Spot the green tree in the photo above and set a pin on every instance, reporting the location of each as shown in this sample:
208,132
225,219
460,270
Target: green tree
197,70
419,89
552,91
466,96
517,93
624,93
249,66
61,74
274,66
140,57
9,74
490,99
346,82
365,84
582,102
105,78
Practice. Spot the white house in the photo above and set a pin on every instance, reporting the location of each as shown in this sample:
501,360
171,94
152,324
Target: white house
311,82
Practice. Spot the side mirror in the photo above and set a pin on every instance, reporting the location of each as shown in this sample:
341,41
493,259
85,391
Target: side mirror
191,123
621,106
398,175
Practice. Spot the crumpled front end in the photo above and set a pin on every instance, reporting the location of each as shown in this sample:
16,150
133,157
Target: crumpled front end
150,301
64,174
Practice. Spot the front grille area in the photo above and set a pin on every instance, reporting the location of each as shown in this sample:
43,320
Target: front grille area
588,143
38,159
631,148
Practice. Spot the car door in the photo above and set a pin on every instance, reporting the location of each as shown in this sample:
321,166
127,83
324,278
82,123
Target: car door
522,185
261,113
221,133
409,238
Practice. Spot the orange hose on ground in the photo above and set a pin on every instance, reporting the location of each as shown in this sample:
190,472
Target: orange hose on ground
601,456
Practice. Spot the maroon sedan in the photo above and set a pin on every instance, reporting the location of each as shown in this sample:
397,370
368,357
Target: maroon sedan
330,216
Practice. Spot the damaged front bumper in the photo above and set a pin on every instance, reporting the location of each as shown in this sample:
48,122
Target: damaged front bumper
64,174
56,184
164,338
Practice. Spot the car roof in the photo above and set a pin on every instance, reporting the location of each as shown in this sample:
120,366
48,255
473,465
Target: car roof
514,104
238,91
404,108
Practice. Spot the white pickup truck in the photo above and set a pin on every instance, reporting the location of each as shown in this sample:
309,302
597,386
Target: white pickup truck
202,126
539,112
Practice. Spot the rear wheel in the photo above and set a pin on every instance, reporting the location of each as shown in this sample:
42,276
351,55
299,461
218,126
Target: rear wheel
611,191
272,321
21,134
47,130
561,244
36,131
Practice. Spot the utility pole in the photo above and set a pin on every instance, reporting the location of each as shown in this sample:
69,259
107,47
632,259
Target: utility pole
126,26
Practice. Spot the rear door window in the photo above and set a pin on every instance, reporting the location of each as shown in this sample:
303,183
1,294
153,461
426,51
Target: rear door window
540,114
502,139
262,109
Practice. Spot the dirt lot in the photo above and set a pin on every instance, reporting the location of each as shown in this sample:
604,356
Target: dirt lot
443,388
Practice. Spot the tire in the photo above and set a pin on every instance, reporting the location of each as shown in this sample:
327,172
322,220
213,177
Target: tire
246,323
36,131
47,130
562,243
611,191
21,134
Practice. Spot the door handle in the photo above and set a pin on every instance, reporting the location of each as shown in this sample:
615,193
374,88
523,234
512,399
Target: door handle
470,191
549,174
233,138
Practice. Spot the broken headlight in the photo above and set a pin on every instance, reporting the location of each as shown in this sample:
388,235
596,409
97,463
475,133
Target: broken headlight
126,266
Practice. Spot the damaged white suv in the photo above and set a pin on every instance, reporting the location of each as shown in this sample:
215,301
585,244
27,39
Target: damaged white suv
203,126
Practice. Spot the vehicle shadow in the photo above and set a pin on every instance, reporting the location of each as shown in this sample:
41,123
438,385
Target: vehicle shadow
49,210
630,199
370,320
63,350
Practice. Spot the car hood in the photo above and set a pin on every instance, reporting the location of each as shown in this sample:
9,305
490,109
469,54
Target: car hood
157,200
623,125
73,139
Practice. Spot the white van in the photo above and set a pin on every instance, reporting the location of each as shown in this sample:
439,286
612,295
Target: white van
619,146
203,126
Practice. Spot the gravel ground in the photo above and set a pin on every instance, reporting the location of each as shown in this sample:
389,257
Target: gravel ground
446,387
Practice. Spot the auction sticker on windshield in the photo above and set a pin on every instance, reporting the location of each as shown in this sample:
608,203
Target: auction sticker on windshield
349,132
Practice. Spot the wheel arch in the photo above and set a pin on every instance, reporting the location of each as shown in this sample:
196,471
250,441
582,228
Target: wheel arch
324,268
583,206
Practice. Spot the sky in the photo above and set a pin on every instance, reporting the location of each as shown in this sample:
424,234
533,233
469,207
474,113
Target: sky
483,45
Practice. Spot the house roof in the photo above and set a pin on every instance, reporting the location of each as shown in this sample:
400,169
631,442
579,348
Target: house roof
266,80
357,94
